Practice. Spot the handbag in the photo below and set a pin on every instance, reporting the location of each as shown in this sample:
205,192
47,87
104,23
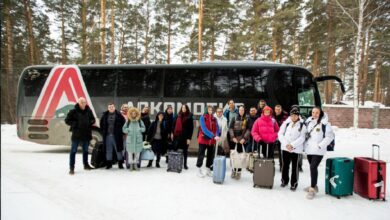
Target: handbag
238,160
251,159
146,145
147,154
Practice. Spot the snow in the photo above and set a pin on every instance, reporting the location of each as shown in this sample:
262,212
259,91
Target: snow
35,184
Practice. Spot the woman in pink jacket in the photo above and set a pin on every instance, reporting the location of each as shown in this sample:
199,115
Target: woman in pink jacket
265,132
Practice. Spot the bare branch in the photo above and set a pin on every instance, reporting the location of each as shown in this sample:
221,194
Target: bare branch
342,8
374,11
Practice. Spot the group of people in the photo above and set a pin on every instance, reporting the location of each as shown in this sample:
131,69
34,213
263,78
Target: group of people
262,130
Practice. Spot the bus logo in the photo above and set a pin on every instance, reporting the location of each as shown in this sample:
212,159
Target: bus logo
63,87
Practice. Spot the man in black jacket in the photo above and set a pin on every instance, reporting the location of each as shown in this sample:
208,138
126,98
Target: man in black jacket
111,125
80,119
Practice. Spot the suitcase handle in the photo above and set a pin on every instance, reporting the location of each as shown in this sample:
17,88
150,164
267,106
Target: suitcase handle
373,147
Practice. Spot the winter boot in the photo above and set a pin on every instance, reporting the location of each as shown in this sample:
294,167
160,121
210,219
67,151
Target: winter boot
120,164
87,167
200,172
307,189
238,176
311,193
233,176
71,171
185,163
109,164
150,163
157,164
166,159
208,172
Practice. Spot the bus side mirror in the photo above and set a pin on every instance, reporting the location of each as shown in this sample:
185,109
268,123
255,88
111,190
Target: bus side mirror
325,78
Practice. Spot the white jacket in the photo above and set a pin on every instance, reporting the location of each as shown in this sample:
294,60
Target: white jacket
292,134
222,123
316,144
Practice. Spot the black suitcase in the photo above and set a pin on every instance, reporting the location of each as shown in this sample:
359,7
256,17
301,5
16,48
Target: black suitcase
98,158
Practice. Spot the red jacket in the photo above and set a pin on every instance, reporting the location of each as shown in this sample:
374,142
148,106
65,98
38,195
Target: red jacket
265,129
208,129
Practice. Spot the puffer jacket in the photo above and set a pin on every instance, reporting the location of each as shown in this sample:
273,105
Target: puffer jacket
294,134
316,144
239,128
265,129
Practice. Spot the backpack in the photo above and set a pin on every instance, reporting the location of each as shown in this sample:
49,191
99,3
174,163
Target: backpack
330,147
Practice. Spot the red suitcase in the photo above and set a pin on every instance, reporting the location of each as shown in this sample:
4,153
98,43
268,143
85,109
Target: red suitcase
370,177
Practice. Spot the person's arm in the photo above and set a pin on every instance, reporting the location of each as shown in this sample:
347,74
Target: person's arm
301,139
255,131
204,128
70,120
329,136
190,128
281,135
142,126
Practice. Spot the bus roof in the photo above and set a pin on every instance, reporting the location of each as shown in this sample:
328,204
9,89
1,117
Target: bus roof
207,64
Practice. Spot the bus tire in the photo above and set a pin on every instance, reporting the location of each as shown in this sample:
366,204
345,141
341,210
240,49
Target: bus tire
96,138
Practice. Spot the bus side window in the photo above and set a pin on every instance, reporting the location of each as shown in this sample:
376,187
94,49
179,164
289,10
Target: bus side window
187,83
33,81
139,82
99,82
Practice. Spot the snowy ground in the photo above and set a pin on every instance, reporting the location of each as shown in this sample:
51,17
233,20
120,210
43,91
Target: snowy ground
35,185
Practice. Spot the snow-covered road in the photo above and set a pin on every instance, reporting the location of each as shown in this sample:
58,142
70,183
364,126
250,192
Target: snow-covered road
35,184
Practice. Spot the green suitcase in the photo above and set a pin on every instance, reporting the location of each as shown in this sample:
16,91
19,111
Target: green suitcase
339,176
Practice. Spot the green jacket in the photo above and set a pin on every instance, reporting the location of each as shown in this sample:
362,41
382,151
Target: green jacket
134,130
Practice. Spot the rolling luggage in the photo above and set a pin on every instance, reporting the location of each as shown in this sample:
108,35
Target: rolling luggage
370,177
219,167
264,171
175,161
98,158
339,176
251,159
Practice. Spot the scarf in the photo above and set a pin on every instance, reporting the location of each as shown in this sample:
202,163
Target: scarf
179,124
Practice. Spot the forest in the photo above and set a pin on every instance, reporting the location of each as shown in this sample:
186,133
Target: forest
328,37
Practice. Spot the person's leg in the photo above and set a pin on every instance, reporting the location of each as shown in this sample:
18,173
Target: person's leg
159,149
72,156
201,152
85,146
270,151
210,156
278,147
109,149
185,154
315,162
286,168
295,171
300,163
137,159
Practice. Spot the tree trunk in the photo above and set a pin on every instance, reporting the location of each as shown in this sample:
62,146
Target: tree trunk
315,64
63,39
343,68
356,67
29,28
331,67
112,32
212,58
274,45
169,36
200,24
84,32
103,31
8,63
147,33
377,84
365,68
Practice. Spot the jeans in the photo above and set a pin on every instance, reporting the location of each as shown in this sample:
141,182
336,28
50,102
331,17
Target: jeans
111,147
75,144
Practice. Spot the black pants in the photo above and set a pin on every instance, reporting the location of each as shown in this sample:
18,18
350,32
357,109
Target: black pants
182,145
314,161
157,147
289,157
264,150
210,155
